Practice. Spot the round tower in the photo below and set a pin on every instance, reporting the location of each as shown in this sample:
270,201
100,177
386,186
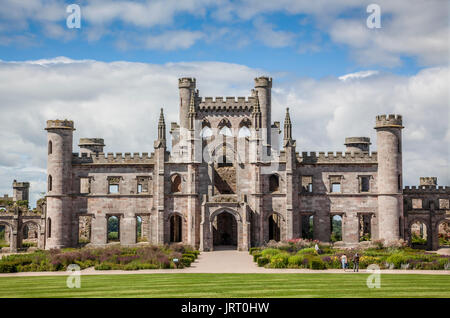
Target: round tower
91,145
185,85
357,144
263,85
59,180
389,144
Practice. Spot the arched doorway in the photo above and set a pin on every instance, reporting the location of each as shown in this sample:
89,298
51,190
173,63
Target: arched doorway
225,230
5,235
176,228
419,234
274,227
444,234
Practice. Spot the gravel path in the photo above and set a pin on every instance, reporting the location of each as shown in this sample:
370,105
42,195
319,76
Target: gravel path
224,261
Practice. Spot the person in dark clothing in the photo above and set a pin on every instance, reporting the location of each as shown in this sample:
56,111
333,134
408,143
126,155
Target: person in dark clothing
356,262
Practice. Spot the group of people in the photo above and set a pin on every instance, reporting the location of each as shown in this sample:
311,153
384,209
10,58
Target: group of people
355,262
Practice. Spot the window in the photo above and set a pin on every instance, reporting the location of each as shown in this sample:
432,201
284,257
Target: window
335,184
49,228
85,185
274,183
364,185
244,132
399,146
307,184
113,188
50,147
399,182
444,204
176,184
335,187
50,183
142,184
113,185
416,203
226,131
206,133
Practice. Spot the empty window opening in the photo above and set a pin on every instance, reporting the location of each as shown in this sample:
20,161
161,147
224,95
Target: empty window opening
176,184
113,229
336,228
365,184
274,227
85,185
50,183
113,188
307,222
365,233
244,132
84,229
50,147
175,228
336,187
49,228
274,183
307,186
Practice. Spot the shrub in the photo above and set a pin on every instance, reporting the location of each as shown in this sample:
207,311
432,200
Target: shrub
186,261
316,263
256,256
309,250
279,260
113,235
262,261
253,250
269,252
104,266
397,259
7,267
296,260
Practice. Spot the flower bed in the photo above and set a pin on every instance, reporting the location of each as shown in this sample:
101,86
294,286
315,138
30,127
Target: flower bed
116,257
302,254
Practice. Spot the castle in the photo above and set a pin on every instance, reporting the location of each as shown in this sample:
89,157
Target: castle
229,181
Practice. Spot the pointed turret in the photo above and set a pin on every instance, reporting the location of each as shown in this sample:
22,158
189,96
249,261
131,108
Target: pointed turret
256,113
161,126
287,126
192,113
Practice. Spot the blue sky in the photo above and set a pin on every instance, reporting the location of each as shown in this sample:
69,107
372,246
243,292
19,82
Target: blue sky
334,72
296,41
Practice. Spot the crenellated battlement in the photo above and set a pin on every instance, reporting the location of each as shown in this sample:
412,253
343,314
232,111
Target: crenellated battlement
263,81
186,82
60,124
228,103
113,158
337,158
388,121
426,190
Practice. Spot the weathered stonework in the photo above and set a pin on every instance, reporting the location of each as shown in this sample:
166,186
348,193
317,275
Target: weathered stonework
226,180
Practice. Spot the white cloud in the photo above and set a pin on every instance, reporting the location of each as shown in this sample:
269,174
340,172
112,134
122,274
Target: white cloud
118,101
172,40
266,33
357,75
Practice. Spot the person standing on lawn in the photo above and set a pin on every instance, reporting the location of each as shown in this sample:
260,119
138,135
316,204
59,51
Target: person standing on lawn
344,261
356,262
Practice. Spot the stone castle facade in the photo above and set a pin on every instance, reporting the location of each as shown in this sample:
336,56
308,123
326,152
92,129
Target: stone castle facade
229,181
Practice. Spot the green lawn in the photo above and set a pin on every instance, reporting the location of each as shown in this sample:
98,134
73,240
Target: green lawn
228,285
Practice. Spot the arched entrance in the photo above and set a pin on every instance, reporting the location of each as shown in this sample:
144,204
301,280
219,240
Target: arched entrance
176,228
443,231
274,227
225,230
419,235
